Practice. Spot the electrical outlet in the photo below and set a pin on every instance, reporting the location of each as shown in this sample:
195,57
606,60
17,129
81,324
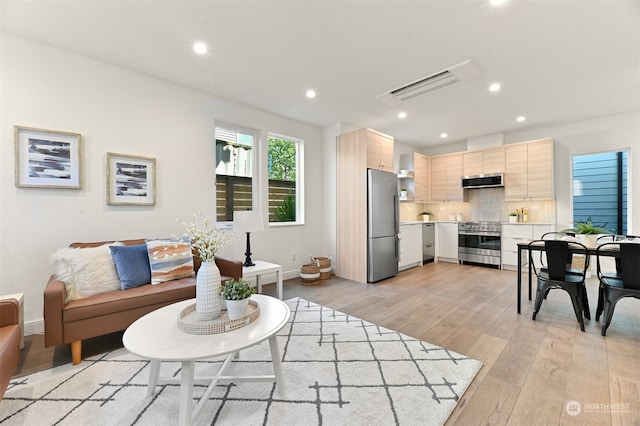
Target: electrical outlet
535,208
293,255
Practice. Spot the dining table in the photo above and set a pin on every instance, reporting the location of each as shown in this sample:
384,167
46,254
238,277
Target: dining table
524,246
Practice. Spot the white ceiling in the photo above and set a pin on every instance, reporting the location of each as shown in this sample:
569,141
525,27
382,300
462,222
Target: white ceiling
557,61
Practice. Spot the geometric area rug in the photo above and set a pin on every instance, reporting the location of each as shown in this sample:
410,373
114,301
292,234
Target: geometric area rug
338,370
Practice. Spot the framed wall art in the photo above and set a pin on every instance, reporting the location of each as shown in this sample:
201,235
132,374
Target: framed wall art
131,180
47,158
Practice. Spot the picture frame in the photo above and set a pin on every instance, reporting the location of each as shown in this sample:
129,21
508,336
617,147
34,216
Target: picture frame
47,158
131,180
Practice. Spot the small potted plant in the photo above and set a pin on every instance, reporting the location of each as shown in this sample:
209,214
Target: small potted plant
513,217
403,193
236,293
426,215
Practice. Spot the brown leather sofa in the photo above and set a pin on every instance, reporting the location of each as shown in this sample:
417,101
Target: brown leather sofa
114,311
10,335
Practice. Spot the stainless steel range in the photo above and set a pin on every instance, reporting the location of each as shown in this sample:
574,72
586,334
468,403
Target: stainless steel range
479,243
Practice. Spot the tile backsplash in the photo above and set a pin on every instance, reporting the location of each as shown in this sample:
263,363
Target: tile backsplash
486,204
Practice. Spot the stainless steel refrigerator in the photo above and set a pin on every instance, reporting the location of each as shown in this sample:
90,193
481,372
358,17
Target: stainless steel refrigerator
383,225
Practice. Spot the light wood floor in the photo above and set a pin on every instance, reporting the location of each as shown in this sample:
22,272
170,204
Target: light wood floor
532,369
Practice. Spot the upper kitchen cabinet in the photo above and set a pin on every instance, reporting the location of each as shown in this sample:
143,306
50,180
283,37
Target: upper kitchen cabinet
483,162
418,178
472,163
446,171
493,160
379,150
529,170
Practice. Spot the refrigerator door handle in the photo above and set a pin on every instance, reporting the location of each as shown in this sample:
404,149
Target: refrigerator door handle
397,249
396,212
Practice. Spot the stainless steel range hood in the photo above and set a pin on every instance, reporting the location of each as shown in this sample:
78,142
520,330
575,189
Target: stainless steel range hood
491,180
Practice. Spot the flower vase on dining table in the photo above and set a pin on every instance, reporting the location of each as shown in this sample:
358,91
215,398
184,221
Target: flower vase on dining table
208,300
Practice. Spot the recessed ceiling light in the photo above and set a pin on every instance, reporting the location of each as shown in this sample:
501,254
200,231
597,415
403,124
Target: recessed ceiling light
521,119
311,93
200,48
443,135
402,115
497,2
494,87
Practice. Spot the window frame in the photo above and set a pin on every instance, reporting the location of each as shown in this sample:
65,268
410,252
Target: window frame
300,211
255,169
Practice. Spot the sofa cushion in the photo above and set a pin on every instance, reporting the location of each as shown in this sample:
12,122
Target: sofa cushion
86,271
170,259
132,264
122,301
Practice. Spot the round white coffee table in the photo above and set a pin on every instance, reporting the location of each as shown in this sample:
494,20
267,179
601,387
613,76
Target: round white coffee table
156,336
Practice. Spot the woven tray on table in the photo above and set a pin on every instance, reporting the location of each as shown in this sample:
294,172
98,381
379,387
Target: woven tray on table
189,323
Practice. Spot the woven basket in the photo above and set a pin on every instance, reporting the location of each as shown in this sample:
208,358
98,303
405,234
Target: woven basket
309,274
324,263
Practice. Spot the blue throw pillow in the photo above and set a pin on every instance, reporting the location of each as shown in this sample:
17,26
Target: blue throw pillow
132,264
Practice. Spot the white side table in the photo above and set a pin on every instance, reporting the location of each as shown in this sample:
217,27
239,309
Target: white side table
20,298
262,267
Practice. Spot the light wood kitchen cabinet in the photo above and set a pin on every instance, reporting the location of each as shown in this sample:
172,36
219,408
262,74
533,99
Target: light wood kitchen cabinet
438,178
353,159
515,178
540,169
446,171
472,163
410,245
447,242
483,162
379,151
493,160
529,170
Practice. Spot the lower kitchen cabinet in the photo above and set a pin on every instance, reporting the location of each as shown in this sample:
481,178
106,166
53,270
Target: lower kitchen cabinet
516,233
410,245
447,242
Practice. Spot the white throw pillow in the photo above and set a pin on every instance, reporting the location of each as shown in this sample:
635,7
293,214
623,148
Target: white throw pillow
86,271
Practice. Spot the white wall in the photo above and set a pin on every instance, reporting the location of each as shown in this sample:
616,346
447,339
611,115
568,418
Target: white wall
120,111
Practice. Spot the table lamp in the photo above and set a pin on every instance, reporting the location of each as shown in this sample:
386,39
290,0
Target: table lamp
247,221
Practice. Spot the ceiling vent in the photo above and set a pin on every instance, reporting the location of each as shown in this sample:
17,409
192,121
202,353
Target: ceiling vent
464,71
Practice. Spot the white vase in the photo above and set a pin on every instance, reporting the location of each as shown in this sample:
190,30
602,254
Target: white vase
425,218
237,308
208,299
513,219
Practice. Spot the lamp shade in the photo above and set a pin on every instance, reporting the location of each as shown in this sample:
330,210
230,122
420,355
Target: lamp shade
247,221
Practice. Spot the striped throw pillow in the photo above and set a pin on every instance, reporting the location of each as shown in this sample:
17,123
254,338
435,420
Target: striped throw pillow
169,259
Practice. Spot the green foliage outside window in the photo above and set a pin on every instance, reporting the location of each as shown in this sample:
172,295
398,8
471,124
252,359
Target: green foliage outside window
282,159
286,212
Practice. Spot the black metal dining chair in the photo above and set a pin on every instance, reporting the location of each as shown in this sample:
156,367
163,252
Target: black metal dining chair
562,235
615,286
553,274
609,238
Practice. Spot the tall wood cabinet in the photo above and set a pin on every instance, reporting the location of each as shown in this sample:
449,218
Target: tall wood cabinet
356,152
529,170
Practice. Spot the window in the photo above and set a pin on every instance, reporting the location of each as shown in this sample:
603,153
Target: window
234,171
285,180
600,190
